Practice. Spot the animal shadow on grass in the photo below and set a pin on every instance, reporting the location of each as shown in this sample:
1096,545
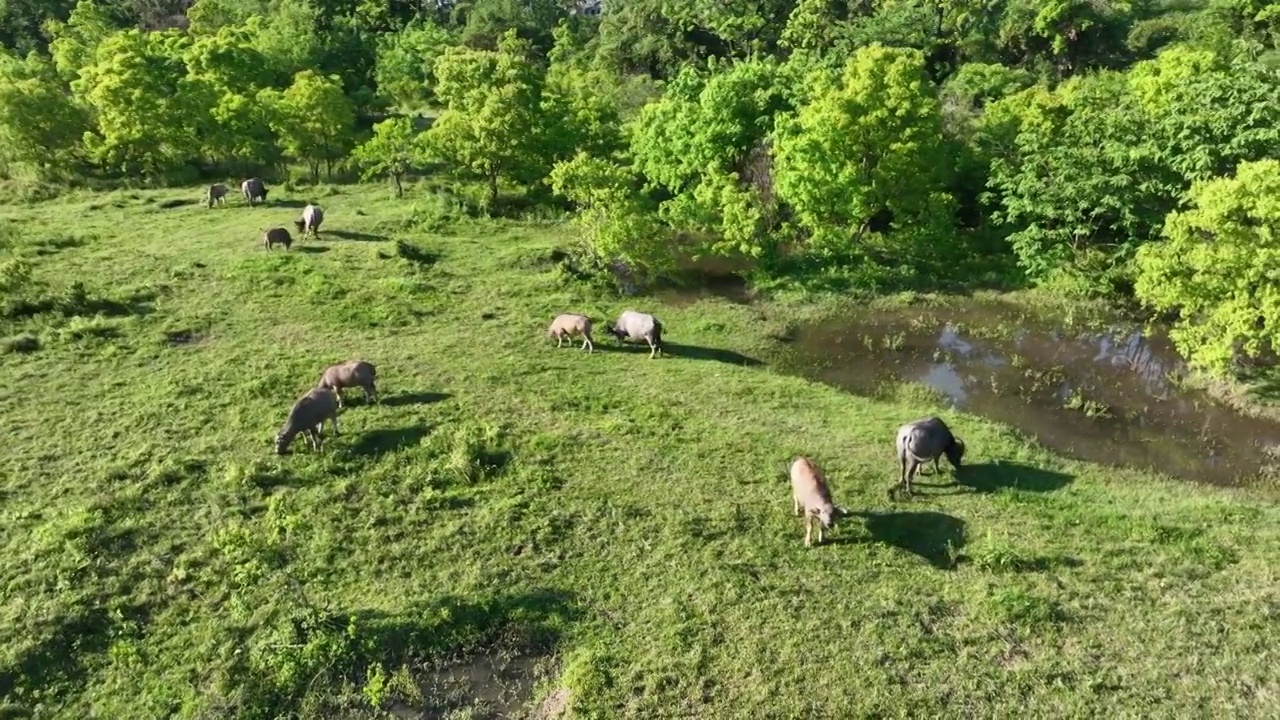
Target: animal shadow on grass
934,536
313,249
355,236
692,352
1040,563
715,354
277,478
991,477
77,300
414,398
288,203
377,442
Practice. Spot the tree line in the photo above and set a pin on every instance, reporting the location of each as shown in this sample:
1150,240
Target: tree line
1128,150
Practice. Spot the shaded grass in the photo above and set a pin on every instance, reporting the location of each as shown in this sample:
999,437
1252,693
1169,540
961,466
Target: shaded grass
623,518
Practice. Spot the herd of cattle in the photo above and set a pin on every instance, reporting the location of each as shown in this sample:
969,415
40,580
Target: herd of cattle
918,442
255,191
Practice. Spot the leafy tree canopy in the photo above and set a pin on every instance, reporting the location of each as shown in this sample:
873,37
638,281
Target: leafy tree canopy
865,156
1217,267
492,125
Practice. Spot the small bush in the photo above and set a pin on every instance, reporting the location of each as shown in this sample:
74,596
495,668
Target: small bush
996,557
15,276
28,191
437,211
475,453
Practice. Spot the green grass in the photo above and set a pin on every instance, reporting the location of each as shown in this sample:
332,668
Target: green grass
605,529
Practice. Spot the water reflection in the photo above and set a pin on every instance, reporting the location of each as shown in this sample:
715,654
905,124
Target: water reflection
946,378
1135,353
951,340
1104,396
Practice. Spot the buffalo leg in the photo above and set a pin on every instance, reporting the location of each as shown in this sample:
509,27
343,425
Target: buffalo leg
911,474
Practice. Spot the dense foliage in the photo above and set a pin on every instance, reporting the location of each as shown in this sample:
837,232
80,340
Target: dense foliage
885,142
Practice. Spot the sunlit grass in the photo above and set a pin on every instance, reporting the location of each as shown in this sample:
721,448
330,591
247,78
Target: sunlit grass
600,527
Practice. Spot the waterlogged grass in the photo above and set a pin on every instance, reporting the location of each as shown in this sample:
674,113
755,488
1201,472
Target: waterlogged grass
519,528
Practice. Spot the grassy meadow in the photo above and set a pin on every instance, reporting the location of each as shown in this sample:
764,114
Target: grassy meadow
521,526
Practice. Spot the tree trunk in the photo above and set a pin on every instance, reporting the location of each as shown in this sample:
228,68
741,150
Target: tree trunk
395,177
862,230
493,189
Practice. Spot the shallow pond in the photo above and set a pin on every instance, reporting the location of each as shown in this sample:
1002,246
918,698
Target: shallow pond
1106,396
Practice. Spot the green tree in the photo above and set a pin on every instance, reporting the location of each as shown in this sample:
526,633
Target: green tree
148,112
21,22
31,93
288,36
1216,267
492,125
976,84
659,36
1084,186
346,47
1153,79
1067,36
392,151
639,36
239,132
741,28
1100,162
974,112
581,102
315,120
486,21
615,222
896,23
704,143
73,43
865,159
1256,22
994,132
229,60
283,31
706,119
405,66
814,27
1208,113
207,17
